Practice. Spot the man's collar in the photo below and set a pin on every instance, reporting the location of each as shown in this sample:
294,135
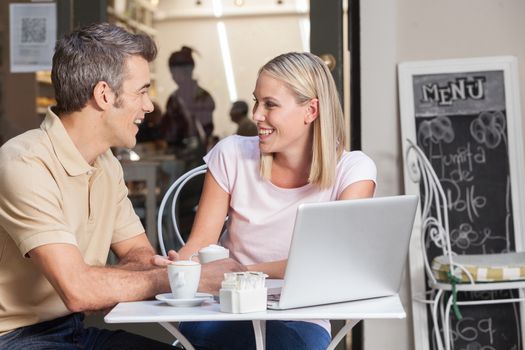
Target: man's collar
66,151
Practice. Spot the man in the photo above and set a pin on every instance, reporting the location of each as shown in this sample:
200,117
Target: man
64,205
239,115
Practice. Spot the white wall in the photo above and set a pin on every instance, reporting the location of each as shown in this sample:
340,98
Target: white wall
409,30
256,32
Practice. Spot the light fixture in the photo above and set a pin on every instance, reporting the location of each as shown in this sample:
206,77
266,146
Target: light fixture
238,2
329,60
227,60
217,8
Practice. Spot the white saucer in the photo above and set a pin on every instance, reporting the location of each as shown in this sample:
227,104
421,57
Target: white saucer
199,299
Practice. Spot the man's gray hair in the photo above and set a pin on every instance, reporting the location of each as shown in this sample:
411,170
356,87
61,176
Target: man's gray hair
94,53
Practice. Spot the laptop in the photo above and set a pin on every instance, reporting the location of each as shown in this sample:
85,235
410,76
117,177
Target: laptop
346,250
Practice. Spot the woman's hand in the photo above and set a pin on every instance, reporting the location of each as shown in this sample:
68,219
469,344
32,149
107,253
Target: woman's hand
163,261
212,274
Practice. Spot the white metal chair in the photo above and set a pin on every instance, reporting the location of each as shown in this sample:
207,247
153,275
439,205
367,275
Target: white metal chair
173,194
450,272
170,199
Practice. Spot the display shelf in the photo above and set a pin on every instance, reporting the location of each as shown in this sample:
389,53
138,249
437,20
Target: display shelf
135,15
45,96
41,110
43,77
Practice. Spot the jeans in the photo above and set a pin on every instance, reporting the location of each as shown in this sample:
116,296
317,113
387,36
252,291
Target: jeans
239,335
68,332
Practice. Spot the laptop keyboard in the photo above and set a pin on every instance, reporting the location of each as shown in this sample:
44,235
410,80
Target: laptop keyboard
274,297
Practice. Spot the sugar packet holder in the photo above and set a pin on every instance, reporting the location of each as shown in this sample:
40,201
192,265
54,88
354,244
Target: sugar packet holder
243,292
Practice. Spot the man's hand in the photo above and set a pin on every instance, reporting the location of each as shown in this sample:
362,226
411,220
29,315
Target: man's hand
212,274
162,261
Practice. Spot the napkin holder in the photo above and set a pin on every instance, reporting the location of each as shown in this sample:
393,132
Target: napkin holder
243,292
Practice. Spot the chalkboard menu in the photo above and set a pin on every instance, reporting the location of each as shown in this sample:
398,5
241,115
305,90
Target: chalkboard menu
460,119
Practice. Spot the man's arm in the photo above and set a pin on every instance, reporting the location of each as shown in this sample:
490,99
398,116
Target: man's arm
84,287
135,253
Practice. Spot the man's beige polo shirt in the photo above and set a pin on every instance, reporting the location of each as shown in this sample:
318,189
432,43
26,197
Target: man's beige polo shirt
50,194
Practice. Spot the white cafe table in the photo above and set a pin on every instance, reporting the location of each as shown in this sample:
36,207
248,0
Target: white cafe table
160,312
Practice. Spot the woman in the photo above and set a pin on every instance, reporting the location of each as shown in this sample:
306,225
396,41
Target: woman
297,157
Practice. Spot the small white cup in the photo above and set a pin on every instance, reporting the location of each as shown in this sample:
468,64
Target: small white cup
213,252
184,276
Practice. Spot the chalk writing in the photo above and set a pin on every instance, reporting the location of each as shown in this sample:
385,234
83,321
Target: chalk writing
462,161
486,330
489,129
466,200
465,151
465,237
468,329
435,130
460,89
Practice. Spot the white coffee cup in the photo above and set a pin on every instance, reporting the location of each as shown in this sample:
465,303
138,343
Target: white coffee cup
213,252
184,276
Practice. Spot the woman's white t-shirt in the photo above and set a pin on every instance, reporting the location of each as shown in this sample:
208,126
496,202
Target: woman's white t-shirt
261,215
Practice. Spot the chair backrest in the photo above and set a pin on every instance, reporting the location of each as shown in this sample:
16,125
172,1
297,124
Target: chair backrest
434,212
170,200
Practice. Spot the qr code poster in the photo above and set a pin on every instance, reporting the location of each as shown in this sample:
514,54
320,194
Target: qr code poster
33,30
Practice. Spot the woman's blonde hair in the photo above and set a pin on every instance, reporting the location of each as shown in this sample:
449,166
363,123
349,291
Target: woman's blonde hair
308,77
